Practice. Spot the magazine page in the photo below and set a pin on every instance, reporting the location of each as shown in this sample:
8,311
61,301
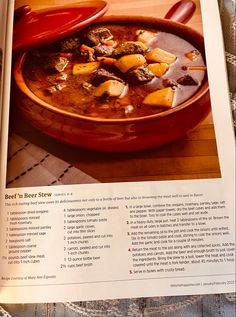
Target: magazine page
3,10
117,180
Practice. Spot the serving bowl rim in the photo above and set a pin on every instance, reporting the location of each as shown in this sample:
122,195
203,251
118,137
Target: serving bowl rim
151,21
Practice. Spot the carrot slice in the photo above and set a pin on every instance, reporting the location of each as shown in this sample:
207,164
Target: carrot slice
85,48
106,60
110,43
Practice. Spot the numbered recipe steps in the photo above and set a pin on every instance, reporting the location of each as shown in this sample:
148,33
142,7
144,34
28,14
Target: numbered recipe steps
172,237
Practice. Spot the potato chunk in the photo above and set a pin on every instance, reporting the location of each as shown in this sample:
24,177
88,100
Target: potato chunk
112,88
85,68
193,55
160,98
158,69
127,62
160,56
145,36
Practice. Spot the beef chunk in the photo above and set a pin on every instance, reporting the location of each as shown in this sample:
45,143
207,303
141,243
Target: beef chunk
52,89
87,56
103,50
170,83
139,75
129,48
103,75
87,87
187,80
98,35
69,44
55,64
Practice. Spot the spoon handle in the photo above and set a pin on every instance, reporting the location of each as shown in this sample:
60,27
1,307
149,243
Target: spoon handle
182,11
21,11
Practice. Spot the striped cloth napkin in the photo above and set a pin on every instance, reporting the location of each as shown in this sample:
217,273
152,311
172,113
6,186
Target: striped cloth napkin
29,165
3,313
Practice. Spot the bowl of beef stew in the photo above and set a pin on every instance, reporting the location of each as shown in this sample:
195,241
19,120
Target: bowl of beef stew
121,84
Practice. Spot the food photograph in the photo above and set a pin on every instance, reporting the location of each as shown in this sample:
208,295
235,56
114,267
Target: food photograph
100,95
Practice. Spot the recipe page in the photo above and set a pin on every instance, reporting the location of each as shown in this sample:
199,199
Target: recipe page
116,178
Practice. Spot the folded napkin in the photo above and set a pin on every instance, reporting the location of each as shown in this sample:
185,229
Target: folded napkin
3,313
30,165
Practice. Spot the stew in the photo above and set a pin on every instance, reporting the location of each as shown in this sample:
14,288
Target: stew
116,72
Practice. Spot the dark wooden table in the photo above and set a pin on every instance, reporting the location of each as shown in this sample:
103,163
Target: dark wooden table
192,157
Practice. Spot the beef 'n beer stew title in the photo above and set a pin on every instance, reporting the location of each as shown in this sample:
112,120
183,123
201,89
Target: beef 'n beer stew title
27,195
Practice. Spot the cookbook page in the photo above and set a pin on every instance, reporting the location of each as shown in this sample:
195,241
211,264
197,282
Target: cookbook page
117,180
